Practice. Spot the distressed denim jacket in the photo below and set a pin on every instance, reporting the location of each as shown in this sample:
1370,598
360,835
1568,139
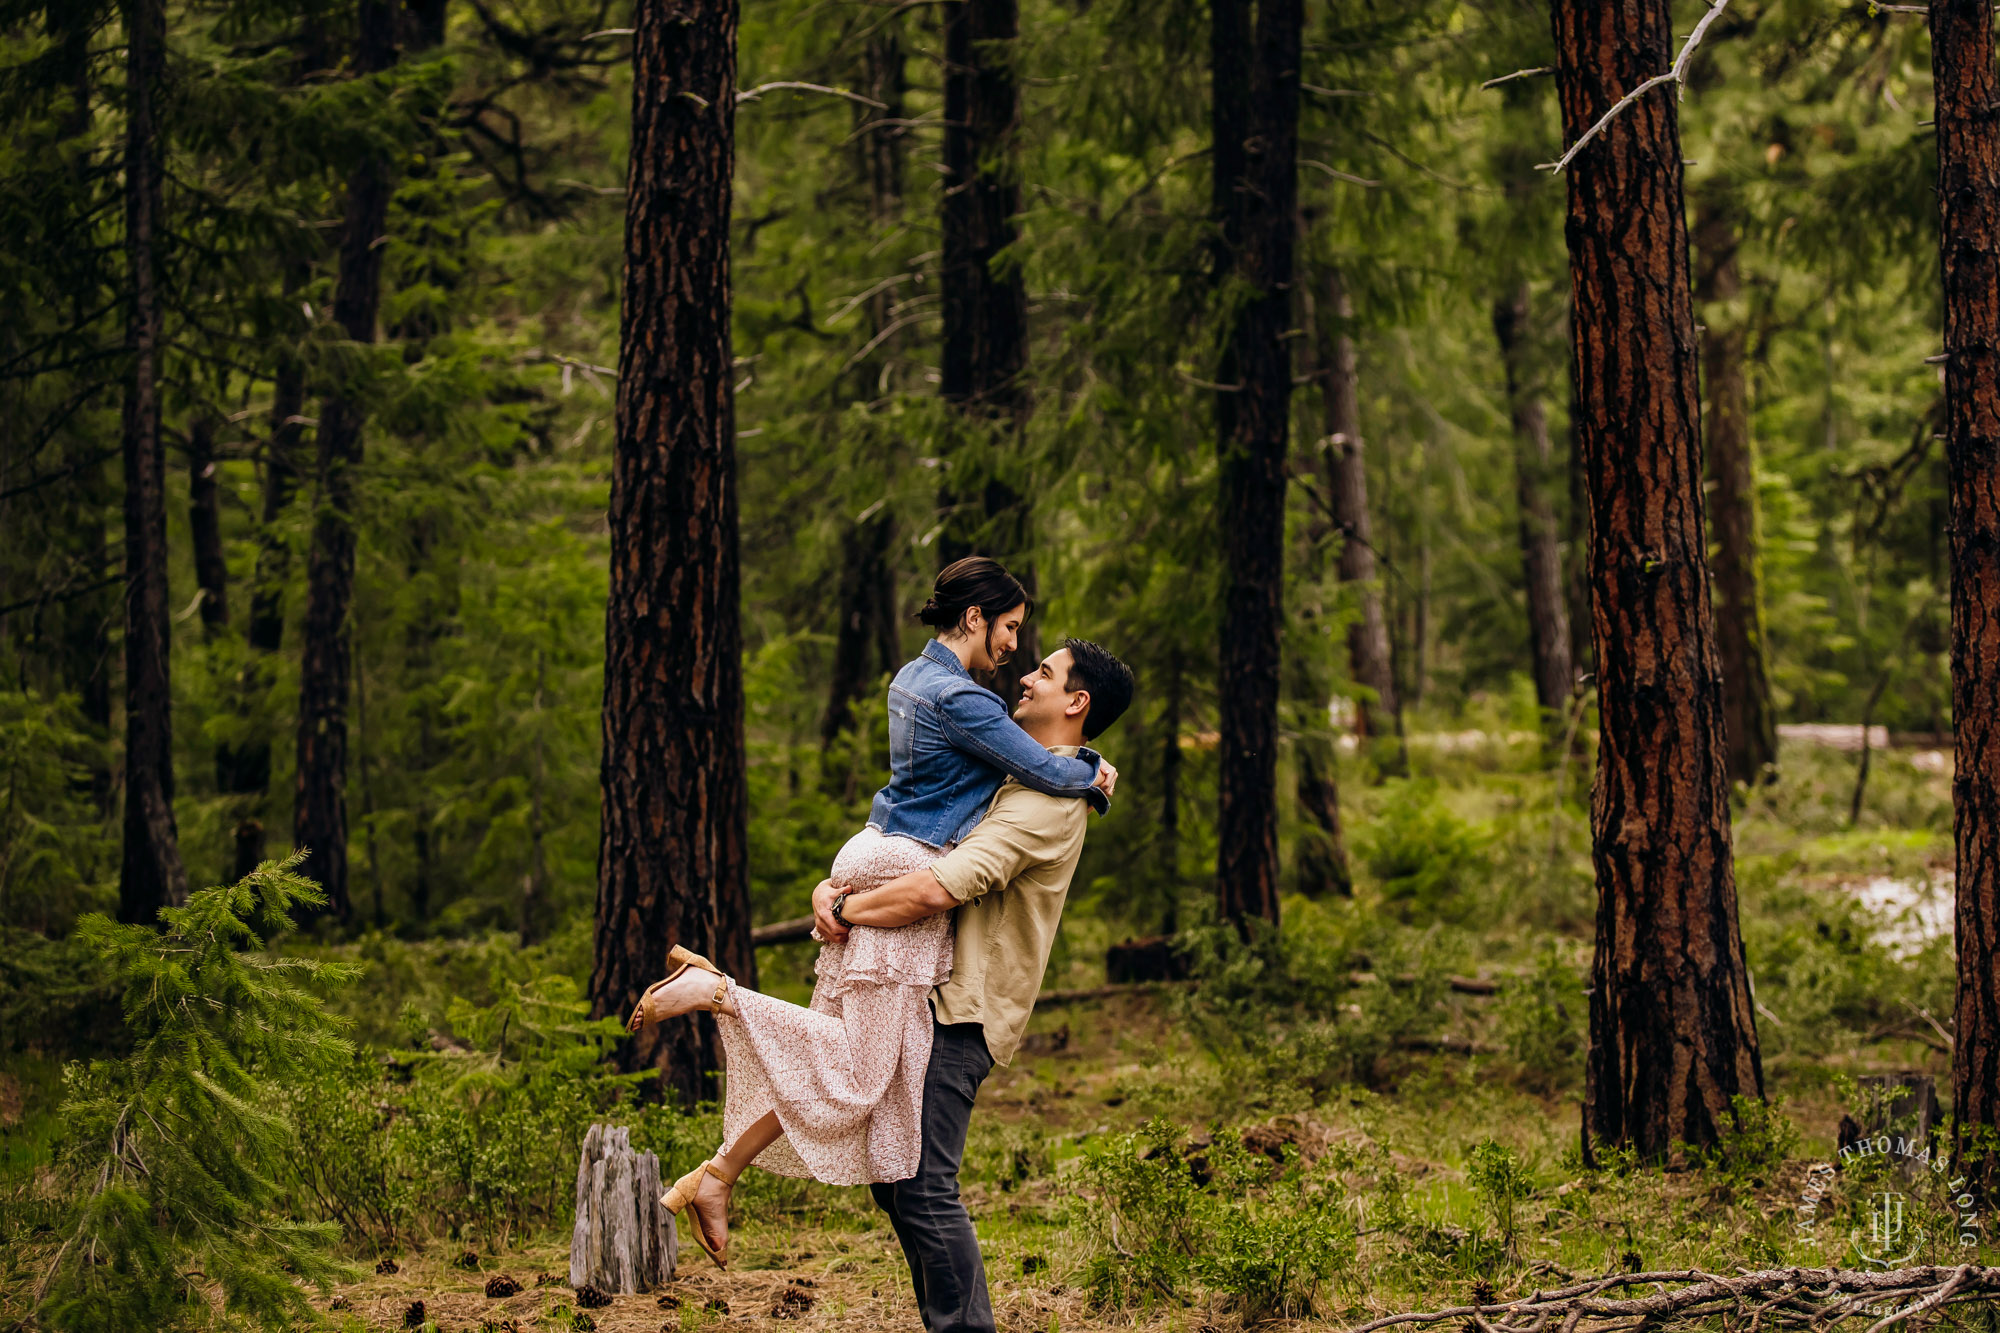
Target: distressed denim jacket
951,745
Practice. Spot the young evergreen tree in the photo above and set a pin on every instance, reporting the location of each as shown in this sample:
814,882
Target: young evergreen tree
1255,72
1968,195
673,855
179,1150
1672,1034
152,876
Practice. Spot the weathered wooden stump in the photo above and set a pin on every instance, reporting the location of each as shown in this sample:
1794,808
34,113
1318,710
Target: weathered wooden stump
623,1240
1903,1105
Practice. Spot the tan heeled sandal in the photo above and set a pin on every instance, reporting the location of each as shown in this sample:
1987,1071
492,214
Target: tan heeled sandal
680,1198
685,959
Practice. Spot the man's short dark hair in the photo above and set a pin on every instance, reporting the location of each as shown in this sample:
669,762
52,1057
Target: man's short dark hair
1108,680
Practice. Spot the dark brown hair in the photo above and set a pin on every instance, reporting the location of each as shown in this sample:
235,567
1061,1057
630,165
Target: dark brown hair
973,581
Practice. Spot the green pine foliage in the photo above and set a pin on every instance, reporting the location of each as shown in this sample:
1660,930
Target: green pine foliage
177,1153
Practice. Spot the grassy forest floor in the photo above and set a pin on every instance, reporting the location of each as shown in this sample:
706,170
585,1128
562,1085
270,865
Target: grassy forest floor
1430,1134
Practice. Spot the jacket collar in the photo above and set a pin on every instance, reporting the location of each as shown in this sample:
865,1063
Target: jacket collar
945,658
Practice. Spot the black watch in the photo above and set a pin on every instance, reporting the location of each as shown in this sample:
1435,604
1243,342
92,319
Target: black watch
840,906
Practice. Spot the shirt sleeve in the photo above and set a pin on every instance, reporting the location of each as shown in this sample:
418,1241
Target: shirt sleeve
976,722
1018,833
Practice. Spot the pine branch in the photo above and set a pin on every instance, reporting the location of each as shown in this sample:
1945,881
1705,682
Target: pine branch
1677,76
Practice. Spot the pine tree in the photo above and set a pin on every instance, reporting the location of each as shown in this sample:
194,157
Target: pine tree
1672,1035
179,1149
672,864
152,877
1256,119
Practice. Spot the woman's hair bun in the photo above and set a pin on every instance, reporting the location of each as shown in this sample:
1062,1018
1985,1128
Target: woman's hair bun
974,581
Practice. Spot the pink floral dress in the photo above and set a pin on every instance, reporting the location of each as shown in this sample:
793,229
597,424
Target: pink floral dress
846,1076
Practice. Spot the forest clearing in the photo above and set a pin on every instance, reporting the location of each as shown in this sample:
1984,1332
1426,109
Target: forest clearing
1189,665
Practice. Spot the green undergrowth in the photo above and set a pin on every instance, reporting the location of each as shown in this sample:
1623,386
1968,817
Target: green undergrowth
1330,1121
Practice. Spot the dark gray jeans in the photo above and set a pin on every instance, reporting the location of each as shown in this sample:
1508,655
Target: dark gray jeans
935,1229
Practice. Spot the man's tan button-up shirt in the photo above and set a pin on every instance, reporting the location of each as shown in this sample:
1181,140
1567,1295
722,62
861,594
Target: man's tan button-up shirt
1011,877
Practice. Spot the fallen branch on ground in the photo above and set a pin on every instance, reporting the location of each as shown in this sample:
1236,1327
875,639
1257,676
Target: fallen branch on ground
1776,1298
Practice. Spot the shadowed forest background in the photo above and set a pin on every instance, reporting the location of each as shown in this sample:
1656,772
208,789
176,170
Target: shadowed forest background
310,378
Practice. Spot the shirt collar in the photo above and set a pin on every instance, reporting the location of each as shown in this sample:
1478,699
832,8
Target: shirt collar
945,657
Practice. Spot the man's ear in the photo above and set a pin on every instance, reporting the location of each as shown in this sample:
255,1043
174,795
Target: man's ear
1079,704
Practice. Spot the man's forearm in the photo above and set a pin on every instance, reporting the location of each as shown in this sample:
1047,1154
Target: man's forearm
907,898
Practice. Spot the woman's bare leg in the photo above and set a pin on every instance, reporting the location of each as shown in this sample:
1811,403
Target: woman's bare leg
711,1196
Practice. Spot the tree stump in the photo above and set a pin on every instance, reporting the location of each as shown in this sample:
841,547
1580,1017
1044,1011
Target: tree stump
1905,1105
623,1240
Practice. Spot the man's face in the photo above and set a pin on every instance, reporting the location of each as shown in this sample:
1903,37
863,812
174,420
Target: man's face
999,638
1045,695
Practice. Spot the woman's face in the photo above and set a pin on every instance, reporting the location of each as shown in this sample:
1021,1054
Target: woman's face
994,641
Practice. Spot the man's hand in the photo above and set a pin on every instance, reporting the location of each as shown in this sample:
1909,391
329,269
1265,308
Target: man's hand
823,921
1107,778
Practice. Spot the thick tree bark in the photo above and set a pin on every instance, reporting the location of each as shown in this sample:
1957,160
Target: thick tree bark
151,876
985,307
319,820
1968,190
672,859
1541,553
1672,1034
1344,464
1748,718
1256,185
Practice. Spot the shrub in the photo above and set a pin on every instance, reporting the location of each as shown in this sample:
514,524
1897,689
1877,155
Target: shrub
1420,854
175,1151
1502,1181
1172,1216
1541,1018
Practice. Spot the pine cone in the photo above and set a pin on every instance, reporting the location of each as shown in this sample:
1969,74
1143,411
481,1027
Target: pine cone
1482,1292
501,1284
388,1266
414,1316
669,1301
468,1261
590,1298
340,1303
792,1304
582,1323
551,1280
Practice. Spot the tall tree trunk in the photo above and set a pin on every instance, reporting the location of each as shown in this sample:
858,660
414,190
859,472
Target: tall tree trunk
866,642
152,876
1748,719
319,820
672,859
1256,185
1541,554
1344,464
985,309
211,570
1968,190
1672,1035
249,765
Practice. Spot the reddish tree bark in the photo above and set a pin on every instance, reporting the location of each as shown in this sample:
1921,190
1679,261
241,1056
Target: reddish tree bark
319,819
1672,1034
1968,191
1255,121
672,862
1748,717
151,876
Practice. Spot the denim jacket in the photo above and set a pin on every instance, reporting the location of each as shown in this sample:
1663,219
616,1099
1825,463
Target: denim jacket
951,745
